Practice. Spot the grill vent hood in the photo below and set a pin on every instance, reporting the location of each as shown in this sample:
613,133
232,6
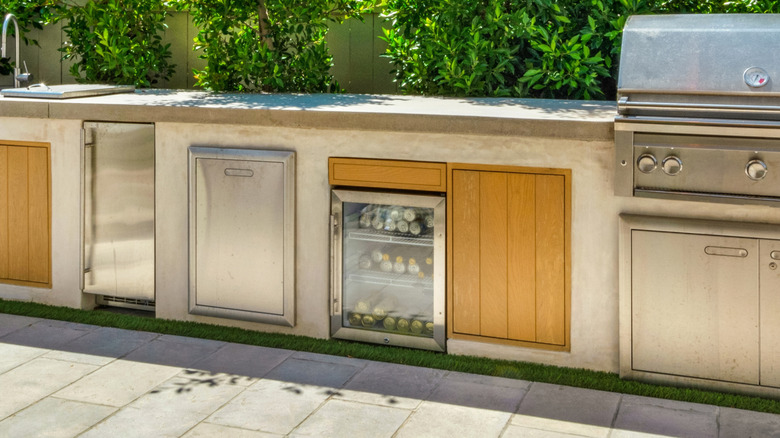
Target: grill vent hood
699,55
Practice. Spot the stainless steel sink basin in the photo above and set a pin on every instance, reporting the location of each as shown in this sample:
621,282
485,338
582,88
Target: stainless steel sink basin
41,91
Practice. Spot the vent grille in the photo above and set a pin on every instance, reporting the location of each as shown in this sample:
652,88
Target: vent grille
127,302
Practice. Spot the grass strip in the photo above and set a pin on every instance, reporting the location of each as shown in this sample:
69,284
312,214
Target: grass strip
468,364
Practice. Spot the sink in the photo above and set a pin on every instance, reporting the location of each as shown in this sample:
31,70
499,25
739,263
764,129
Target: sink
41,91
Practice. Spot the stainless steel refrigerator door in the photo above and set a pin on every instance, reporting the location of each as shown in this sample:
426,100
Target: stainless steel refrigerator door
118,257
381,275
242,226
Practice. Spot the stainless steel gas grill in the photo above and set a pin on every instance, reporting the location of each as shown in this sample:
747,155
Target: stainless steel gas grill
699,120
698,108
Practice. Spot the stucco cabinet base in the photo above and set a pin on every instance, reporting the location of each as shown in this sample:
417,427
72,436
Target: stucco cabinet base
505,132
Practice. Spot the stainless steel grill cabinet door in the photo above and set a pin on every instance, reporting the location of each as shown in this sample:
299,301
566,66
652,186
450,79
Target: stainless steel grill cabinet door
242,226
118,209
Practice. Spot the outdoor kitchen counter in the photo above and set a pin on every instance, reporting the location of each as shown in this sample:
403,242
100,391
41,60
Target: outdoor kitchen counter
581,120
488,132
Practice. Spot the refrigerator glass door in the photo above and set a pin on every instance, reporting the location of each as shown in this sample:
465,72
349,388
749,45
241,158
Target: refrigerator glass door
388,268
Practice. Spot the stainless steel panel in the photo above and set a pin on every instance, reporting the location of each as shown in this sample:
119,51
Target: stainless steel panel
770,312
710,164
698,53
242,234
347,244
66,91
694,314
118,253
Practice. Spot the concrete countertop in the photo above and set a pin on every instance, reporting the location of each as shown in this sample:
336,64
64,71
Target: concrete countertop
584,120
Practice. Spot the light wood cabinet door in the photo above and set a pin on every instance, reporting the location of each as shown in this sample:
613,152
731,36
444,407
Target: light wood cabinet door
509,255
25,205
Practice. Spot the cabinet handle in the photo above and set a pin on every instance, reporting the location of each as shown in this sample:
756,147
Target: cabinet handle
774,255
239,172
335,282
725,251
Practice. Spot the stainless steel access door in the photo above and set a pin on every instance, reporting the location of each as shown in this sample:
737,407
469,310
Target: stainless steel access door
695,305
769,261
118,259
242,234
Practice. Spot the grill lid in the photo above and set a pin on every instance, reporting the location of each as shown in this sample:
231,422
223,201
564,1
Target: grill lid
715,64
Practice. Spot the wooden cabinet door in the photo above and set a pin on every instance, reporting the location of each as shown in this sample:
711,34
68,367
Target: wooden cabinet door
509,255
25,231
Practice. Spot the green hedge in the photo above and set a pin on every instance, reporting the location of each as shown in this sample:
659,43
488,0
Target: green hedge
520,48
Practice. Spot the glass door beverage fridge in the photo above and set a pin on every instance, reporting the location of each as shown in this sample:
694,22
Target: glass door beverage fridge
388,268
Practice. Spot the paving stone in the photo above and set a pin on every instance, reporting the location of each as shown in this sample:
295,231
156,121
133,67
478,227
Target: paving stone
170,410
327,358
449,420
737,423
567,410
312,372
243,360
392,385
175,351
340,418
208,430
664,417
513,431
28,383
101,346
53,417
118,383
47,334
12,323
487,380
11,355
461,392
271,406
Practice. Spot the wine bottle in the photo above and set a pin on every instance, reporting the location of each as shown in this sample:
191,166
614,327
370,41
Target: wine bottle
365,304
389,225
378,221
399,267
376,255
365,261
416,326
368,321
389,322
365,220
416,228
396,213
428,221
386,305
410,214
413,268
404,322
402,226
354,318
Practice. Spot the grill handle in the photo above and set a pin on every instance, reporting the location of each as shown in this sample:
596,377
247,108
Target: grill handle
624,106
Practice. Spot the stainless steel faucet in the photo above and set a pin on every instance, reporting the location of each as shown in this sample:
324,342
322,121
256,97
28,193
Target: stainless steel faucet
18,76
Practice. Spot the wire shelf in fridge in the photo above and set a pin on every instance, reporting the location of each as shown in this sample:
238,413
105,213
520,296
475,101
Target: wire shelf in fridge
387,237
383,279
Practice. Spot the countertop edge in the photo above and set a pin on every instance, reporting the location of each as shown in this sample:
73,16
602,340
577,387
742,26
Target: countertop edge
417,114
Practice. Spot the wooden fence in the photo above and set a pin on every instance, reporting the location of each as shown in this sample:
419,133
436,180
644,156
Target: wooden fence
354,44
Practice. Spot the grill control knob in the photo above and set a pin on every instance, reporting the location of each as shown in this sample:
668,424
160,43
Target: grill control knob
756,170
671,165
646,163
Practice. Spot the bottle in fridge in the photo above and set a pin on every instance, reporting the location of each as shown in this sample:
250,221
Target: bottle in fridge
387,268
